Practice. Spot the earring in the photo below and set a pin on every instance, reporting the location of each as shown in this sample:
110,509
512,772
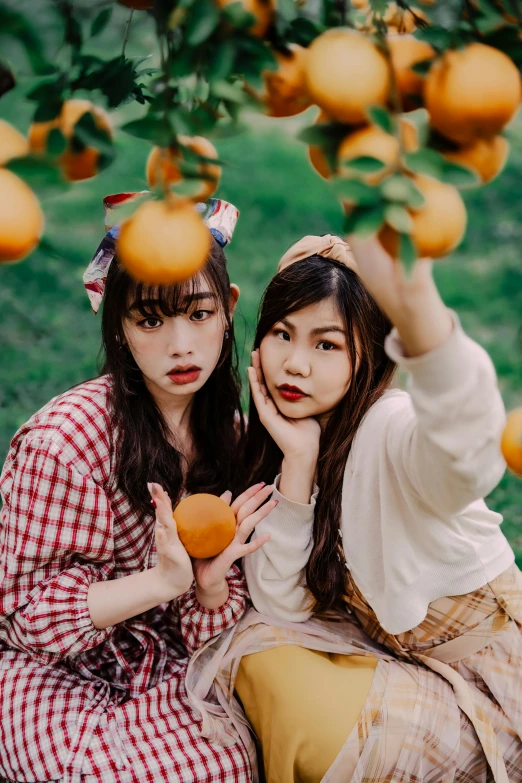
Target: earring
226,335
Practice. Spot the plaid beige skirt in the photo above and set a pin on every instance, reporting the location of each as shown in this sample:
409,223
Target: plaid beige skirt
445,705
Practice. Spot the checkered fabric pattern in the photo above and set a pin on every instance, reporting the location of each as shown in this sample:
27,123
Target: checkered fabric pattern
77,703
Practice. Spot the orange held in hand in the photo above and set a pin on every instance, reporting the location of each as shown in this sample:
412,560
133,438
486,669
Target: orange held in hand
206,525
511,443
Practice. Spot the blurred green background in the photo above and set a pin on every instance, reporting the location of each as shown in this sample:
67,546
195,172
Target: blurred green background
50,338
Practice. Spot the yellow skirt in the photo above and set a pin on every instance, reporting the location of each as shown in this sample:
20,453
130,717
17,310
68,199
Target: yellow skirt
302,704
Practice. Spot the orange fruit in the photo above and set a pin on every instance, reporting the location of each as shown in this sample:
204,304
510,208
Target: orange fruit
163,164
206,525
486,157
511,443
137,5
316,154
346,74
21,218
405,51
286,87
373,142
75,165
438,226
12,143
163,243
472,92
263,10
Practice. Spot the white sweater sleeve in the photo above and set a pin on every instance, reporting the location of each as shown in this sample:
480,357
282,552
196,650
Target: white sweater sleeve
275,573
446,446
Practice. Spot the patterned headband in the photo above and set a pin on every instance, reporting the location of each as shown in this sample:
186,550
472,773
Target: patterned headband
220,217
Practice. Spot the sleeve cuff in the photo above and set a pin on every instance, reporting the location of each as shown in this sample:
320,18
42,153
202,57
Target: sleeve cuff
292,516
443,369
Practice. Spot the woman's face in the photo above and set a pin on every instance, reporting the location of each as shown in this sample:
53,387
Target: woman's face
177,354
305,361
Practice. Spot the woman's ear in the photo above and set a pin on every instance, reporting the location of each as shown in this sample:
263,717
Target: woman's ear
234,296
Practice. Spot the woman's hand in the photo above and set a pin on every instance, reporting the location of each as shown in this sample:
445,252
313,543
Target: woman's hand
411,301
297,438
174,569
211,584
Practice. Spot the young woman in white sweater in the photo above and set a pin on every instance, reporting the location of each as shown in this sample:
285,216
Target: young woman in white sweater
396,530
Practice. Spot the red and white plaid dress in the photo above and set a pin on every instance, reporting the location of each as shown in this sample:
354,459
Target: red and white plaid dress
77,703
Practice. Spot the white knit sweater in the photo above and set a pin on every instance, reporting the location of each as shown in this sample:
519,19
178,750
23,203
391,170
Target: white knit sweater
414,525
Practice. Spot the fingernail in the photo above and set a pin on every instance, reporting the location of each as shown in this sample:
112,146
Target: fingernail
149,487
263,484
276,502
154,503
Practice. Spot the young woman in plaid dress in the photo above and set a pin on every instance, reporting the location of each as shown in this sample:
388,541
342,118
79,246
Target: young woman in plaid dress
421,680
99,610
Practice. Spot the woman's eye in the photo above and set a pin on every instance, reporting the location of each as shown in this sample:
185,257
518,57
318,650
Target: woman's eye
281,334
201,315
324,345
151,322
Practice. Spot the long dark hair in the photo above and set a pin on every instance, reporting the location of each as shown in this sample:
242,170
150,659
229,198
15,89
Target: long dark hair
300,285
143,450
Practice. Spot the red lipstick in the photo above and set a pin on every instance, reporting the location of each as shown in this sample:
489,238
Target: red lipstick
291,393
184,373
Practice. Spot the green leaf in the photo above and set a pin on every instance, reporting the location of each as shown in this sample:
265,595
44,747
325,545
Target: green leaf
381,117
48,110
426,161
323,133
421,119
201,23
7,80
398,218
150,128
364,164
365,221
56,142
407,253
40,173
187,187
228,92
90,135
438,37
423,66
355,191
222,62
491,19
288,9
227,130
17,25
304,30
236,16
379,6
402,189
100,22
460,176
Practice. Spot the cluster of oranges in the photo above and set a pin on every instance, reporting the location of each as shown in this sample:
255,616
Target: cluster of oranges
470,95
21,218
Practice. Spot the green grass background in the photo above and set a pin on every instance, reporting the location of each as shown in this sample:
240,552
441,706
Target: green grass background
50,338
